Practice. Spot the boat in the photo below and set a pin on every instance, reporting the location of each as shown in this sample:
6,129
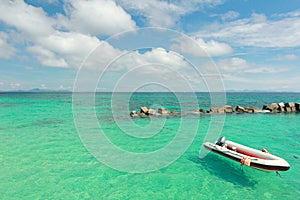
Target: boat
260,159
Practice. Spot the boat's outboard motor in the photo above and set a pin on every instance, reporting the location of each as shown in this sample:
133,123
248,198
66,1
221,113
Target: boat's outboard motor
221,141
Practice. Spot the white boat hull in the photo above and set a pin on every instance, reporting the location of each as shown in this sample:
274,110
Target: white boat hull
249,156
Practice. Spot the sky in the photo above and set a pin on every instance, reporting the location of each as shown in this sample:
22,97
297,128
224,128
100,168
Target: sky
150,45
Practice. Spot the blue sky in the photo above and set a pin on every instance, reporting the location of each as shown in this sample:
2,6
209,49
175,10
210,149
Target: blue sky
250,45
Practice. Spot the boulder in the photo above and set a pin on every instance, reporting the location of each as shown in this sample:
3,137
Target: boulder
265,107
151,111
250,110
240,109
228,109
288,109
174,112
143,115
281,104
217,110
145,110
134,113
213,110
202,111
272,107
290,104
281,109
163,111
297,105
254,109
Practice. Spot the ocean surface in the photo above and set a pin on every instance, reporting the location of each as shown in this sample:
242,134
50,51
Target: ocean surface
47,152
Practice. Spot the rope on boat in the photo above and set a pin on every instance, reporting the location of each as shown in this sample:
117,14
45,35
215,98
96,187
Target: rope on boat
246,161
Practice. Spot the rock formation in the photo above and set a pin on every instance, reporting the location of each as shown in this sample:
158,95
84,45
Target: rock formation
272,108
163,111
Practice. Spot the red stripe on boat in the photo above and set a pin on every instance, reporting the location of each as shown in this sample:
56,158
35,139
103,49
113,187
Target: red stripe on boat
245,152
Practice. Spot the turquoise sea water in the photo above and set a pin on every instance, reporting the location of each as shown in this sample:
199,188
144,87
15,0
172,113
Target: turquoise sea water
42,156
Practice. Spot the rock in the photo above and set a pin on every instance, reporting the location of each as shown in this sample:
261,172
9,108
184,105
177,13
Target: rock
202,111
163,111
145,110
265,107
174,112
134,113
213,110
249,110
151,111
297,105
288,109
290,104
272,108
254,109
228,109
281,109
143,115
217,110
240,109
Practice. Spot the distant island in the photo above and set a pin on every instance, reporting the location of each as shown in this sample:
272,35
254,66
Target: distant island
36,90
41,90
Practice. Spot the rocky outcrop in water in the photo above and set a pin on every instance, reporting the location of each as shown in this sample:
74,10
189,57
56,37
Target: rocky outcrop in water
152,111
240,109
289,107
146,112
297,105
134,113
282,107
163,111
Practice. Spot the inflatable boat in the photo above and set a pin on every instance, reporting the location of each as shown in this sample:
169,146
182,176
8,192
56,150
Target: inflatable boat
247,156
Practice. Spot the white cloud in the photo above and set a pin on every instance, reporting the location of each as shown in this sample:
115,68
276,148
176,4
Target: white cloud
47,58
257,31
101,56
96,17
15,85
68,48
69,43
286,57
161,56
237,65
158,66
230,15
165,13
71,47
107,58
198,47
295,13
43,86
6,50
28,19
65,49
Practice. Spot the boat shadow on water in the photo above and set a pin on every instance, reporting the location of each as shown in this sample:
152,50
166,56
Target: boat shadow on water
224,169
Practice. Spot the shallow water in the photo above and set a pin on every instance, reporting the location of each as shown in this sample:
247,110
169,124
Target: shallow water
42,155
